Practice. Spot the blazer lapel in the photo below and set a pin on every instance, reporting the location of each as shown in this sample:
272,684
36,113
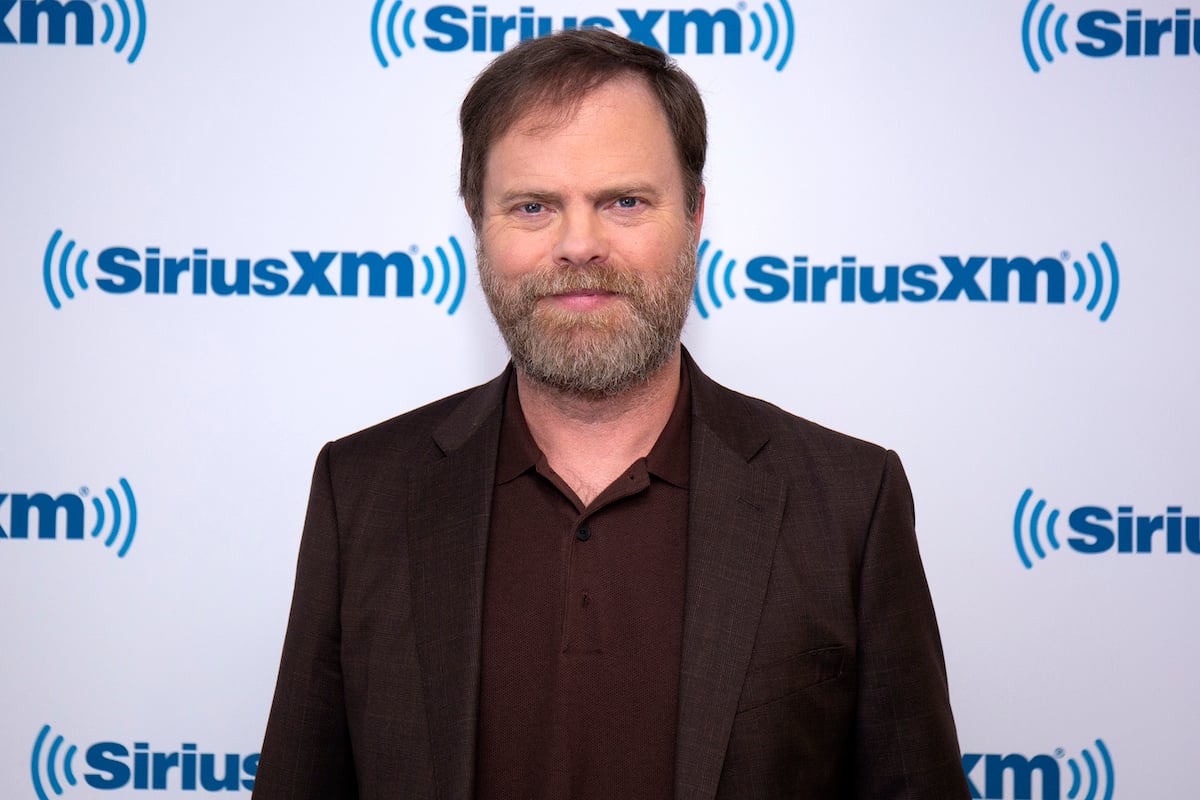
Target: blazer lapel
735,510
449,505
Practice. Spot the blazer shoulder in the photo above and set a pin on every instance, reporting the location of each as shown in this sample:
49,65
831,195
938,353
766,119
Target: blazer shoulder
813,432
425,433
777,435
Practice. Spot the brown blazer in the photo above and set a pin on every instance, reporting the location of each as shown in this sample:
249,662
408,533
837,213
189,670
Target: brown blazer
811,663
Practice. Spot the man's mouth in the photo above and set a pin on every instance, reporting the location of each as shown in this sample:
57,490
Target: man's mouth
582,299
584,293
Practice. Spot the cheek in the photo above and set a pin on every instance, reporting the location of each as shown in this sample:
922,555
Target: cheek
657,252
511,254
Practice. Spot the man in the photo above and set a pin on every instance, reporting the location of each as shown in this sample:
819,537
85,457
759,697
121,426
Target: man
602,575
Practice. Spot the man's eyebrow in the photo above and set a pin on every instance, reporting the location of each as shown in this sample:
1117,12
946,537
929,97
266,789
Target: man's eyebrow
541,196
629,190
526,196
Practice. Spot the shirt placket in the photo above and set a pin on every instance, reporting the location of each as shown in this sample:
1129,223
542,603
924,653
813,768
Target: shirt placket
587,577
581,624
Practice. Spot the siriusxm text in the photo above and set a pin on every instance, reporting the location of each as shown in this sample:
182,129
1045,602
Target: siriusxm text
1108,33
55,14
66,507
991,770
1102,531
301,274
772,279
114,766
454,28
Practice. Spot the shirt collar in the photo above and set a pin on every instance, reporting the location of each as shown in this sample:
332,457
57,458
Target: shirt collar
518,452
669,458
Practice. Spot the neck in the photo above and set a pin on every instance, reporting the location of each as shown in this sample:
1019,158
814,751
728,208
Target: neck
589,441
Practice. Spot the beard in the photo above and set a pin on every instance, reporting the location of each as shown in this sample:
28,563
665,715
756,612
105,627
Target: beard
596,353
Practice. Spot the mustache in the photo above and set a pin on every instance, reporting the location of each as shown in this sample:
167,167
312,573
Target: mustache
593,278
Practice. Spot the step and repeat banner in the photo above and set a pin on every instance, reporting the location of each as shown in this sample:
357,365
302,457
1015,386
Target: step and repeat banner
229,232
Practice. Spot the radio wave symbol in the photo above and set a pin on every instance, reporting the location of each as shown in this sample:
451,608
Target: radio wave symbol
1098,281
1042,34
63,263
779,25
452,275
1033,528
706,279
132,24
1094,786
46,762
114,532
384,29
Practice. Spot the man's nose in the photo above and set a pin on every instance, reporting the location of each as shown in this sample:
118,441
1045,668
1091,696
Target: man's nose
582,239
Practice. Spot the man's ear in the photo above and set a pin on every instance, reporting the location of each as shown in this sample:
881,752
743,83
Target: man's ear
698,214
471,215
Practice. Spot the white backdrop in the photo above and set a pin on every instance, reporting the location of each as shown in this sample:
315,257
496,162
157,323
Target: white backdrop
894,134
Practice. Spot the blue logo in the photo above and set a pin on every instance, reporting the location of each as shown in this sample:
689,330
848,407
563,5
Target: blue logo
113,765
114,517
1091,781
767,31
1107,33
126,270
1097,529
772,279
124,24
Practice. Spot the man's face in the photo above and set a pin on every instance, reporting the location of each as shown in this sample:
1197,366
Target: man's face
586,249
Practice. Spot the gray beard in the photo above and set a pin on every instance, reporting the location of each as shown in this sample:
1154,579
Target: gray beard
594,354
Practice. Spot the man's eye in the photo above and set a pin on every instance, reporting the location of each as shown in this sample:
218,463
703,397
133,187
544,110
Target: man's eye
531,208
628,202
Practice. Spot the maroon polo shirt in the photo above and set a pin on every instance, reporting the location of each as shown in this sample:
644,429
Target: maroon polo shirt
583,623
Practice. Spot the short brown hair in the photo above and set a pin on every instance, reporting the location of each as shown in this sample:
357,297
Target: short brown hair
556,72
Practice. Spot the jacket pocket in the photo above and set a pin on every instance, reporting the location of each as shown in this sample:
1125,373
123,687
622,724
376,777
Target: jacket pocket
787,676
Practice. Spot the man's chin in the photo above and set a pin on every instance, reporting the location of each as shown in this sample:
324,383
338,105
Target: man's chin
590,380
591,362
552,318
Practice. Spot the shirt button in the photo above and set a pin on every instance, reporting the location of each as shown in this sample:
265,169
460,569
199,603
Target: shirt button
583,534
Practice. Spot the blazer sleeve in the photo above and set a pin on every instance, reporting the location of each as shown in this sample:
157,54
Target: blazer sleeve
906,745
306,752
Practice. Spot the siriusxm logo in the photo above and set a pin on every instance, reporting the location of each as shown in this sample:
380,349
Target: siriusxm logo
113,765
1106,33
1005,777
948,278
1098,530
767,31
127,270
114,517
45,21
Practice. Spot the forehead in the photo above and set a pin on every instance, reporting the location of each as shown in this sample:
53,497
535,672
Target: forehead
617,126
553,108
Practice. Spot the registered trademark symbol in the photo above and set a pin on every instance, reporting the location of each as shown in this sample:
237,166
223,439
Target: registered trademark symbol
414,249
1066,256
83,490
1058,751
741,6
